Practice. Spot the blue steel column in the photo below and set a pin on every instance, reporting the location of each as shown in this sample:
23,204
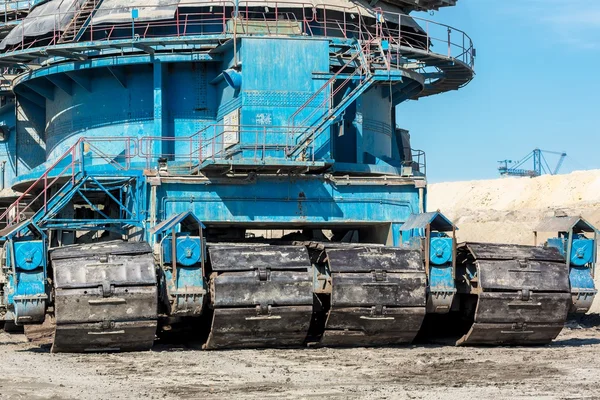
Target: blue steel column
396,235
160,129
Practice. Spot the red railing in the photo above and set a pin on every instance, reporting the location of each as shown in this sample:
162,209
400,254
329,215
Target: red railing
218,141
62,170
211,143
253,143
277,17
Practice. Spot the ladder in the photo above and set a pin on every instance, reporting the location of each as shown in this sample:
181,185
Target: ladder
80,22
363,61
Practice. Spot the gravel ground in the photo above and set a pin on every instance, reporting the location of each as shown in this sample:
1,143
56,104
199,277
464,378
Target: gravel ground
567,369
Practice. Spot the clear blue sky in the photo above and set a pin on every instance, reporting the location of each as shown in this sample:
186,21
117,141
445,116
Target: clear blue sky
537,85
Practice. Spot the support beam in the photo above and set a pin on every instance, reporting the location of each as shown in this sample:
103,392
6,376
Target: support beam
67,54
81,79
119,75
144,48
30,95
62,82
407,93
41,87
433,75
160,126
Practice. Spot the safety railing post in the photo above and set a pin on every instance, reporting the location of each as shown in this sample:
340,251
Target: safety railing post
81,156
92,21
23,33
255,144
313,150
213,143
177,20
45,192
200,145
400,30
428,43
264,142
128,154
449,42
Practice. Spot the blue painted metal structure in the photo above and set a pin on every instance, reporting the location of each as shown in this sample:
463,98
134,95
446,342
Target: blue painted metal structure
580,251
202,125
436,234
182,257
190,126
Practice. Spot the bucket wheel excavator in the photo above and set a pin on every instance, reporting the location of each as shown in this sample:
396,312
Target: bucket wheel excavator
235,172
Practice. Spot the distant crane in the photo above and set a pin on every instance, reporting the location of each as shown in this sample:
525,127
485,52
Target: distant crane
540,165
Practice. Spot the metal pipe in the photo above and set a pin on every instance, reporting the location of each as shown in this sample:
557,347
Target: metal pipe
153,205
203,250
174,256
2,181
235,18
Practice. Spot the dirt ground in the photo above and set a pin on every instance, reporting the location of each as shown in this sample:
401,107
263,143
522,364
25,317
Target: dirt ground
567,369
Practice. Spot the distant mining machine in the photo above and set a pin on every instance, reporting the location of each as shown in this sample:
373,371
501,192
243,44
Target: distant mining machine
540,164
150,149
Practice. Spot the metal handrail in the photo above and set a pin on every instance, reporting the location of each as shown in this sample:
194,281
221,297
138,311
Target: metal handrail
459,44
201,149
77,152
363,68
420,160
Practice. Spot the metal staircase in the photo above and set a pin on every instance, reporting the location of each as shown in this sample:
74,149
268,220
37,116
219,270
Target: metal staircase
364,62
81,20
40,205
355,67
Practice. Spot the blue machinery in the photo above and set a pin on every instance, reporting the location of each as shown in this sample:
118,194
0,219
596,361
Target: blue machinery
580,253
150,151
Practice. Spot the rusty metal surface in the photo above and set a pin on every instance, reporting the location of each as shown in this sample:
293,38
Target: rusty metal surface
41,334
374,258
247,327
489,251
369,289
91,304
254,257
541,276
378,296
93,337
510,334
245,289
114,247
542,308
523,294
262,296
105,297
361,326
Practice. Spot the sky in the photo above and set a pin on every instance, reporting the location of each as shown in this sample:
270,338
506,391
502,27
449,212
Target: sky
537,86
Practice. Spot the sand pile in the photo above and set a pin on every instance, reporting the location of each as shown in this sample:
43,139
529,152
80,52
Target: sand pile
507,209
